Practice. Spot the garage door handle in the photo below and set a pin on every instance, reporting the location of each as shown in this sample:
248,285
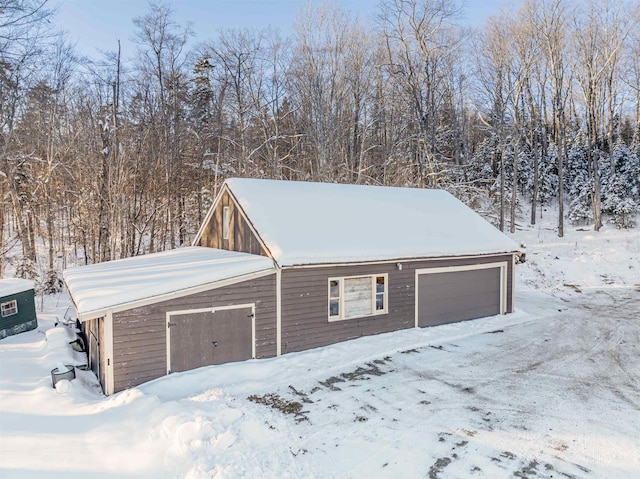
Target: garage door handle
215,344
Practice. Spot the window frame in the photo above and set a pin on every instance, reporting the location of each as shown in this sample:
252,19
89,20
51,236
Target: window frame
13,306
374,295
226,222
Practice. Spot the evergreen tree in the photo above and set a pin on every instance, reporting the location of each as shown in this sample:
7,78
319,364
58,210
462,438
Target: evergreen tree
548,172
579,183
618,188
525,172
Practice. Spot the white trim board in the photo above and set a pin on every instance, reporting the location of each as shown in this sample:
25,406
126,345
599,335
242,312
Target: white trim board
503,265
278,312
397,261
108,353
513,284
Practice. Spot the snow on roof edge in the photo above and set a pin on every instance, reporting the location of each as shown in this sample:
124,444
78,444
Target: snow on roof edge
9,286
98,312
146,279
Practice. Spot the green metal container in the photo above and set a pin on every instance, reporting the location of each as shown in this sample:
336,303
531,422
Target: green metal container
17,307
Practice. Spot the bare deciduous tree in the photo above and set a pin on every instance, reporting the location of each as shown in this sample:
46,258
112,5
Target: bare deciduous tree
423,42
549,18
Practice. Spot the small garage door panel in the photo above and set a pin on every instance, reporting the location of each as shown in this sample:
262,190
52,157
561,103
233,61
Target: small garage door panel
207,338
232,335
452,296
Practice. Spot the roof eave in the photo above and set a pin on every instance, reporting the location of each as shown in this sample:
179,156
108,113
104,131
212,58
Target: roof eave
101,312
326,264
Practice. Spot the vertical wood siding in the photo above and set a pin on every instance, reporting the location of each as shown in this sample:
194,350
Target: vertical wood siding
140,334
241,238
305,322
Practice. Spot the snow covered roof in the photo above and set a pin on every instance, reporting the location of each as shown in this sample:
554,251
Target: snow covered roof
11,286
313,223
98,287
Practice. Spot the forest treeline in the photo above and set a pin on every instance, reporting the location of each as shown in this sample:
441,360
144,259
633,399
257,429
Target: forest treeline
121,154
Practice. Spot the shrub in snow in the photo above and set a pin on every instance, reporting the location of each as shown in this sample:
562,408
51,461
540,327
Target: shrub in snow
580,209
26,269
52,283
622,212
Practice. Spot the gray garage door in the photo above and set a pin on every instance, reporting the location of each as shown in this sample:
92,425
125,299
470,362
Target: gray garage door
206,338
452,296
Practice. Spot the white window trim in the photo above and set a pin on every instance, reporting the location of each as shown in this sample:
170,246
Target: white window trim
226,222
375,312
12,305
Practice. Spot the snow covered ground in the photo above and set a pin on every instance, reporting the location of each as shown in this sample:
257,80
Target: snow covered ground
550,391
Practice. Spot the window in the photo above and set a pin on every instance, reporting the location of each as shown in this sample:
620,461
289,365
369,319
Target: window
9,308
357,297
226,220
334,298
380,293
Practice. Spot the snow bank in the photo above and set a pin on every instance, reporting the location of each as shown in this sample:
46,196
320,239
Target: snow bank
583,259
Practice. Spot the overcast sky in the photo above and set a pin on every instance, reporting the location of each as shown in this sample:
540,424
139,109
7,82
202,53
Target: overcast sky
95,25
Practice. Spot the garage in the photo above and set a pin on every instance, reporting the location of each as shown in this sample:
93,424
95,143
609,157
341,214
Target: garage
147,316
200,338
459,293
266,276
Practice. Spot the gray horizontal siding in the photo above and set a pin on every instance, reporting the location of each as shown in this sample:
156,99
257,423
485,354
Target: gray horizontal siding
140,335
305,323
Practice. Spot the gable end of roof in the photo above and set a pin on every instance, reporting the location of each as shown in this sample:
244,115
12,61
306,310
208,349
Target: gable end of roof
238,206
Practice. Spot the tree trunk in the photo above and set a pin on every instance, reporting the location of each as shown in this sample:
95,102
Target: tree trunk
50,232
501,153
536,180
22,220
514,191
3,216
560,147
